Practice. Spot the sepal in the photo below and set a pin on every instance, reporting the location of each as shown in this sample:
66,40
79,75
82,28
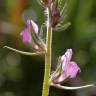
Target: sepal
58,70
43,33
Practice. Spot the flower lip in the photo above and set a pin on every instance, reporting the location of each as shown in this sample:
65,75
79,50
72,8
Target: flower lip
74,69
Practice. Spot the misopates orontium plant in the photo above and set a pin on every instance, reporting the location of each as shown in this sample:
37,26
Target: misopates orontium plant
66,68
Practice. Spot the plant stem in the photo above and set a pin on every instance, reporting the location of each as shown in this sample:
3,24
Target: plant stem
46,85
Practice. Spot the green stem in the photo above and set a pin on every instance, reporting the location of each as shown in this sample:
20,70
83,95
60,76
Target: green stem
46,85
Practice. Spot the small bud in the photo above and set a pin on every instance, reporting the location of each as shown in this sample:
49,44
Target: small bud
55,15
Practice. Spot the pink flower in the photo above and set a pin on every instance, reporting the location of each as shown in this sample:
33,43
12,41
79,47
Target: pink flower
25,34
30,36
69,68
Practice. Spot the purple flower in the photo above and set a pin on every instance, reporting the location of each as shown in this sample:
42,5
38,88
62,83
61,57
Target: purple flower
69,68
30,36
26,34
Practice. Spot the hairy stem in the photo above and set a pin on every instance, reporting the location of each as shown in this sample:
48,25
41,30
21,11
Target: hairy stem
46,85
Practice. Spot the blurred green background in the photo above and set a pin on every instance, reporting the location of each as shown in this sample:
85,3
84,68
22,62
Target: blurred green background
23,75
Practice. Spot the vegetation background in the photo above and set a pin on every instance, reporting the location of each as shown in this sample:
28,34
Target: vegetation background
23,75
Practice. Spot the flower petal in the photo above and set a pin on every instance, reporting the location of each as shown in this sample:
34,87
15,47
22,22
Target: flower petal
66,59
26,36
65,64
34,26
67,54
73,69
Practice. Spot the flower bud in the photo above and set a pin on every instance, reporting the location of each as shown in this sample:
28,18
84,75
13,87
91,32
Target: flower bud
55,16
47,2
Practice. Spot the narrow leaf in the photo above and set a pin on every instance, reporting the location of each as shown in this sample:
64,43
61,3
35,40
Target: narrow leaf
72,88
21,52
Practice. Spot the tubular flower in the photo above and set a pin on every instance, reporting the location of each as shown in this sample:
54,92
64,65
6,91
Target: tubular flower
69,69
30,36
